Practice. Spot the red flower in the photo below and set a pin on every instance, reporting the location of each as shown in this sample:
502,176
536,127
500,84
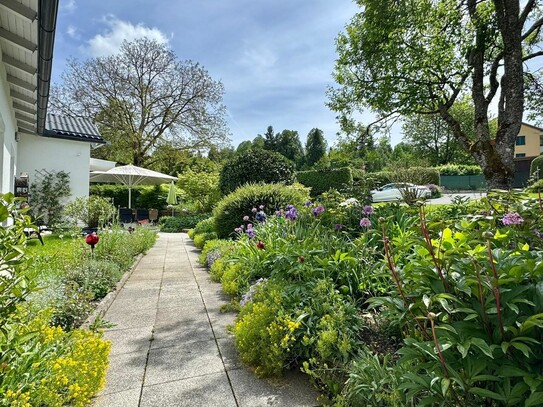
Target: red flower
260,244
301,259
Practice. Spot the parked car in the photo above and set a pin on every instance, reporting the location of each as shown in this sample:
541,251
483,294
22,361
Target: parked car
393,192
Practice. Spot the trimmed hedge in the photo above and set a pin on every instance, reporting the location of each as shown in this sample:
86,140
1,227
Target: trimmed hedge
537,164
459,169
255,165
230,211
412,174
324,179
143,196
171,224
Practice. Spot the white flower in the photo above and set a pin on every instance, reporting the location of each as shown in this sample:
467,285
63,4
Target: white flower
349,202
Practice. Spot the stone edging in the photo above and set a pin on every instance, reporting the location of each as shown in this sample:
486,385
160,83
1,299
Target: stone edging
106,302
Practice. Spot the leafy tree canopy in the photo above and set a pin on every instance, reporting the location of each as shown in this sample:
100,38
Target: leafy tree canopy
421,56
143,97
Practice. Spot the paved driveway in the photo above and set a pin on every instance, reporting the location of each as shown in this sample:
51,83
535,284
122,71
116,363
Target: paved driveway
448,198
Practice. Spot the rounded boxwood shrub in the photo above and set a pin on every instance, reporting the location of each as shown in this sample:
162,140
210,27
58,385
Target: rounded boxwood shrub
230,211
255,165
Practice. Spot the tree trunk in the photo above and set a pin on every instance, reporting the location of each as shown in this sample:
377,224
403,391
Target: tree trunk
498,169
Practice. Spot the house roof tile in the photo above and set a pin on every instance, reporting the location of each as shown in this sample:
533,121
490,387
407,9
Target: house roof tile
72,128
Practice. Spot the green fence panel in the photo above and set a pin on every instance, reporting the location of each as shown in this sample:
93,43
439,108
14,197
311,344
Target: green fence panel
463,182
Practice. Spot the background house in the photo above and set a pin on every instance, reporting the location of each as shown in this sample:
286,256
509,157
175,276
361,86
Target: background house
30,139
529,144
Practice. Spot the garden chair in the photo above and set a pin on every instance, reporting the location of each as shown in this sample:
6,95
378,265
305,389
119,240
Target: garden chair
125,215
153,215
142,216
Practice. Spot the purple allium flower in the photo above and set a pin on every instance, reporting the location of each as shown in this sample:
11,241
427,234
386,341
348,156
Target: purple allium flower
245,218
254,210
308,203
292,213
365,222
250,226
338,226
260,216
318,210
238,230
368,210
279,213
261,207
512,218
250,233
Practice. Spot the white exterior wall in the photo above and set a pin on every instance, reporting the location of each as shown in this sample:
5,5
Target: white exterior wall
8,145
37,153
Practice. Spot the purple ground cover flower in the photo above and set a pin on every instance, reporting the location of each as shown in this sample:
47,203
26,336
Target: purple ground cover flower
365,222
512,218
248,296
318,210
245,218
291,213
368,210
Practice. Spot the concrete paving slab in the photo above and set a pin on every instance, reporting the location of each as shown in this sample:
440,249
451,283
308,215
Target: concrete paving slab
135,319
187,300
142,283
187,312
125,372
183,361
293,390
138,293
229,353
134,303
221,323
175,333
127,398
129,340
204,391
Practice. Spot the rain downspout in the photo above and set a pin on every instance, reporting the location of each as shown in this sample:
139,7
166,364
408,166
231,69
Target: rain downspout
47,20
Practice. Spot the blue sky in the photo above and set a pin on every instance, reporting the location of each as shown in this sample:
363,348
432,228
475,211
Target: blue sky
275,58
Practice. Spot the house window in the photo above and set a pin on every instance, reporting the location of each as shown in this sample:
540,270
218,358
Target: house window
520,155
521,141
541,140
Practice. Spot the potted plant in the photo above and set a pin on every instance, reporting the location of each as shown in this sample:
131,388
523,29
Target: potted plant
93,212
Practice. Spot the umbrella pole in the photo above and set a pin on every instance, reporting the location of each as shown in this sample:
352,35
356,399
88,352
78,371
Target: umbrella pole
129,198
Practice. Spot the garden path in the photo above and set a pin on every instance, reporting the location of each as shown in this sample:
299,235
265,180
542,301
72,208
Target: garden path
170,346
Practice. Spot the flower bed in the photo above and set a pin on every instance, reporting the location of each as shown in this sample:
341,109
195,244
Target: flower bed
393,305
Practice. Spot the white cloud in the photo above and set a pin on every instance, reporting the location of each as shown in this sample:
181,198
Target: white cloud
69,6
72,32
109,41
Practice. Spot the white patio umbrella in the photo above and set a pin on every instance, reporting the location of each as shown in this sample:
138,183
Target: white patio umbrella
131,175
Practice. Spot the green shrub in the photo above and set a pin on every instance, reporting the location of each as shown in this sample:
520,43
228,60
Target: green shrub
537,166
201,238
255,165
47,191
536,186
48,366
322,180
191,233
459,169
93,211
230,211
176,224
201,188
214,249
204,226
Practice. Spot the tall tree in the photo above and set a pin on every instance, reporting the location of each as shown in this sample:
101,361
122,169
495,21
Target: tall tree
270,139
145,96
290,146
315,146
259,142
421,56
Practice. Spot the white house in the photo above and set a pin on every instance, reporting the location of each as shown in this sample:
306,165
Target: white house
30,139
